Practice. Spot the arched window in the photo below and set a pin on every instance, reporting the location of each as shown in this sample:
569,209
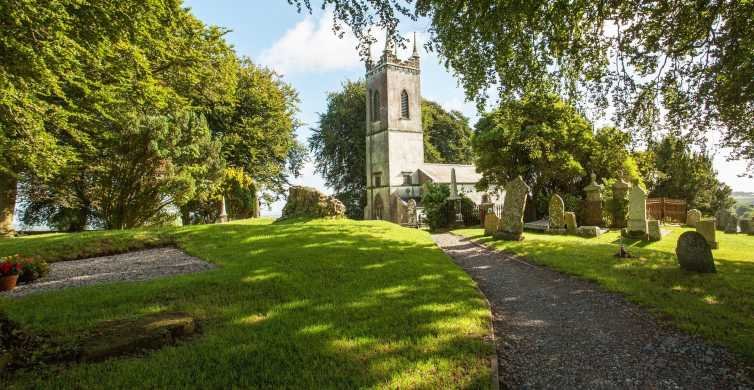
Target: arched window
404,105
376,106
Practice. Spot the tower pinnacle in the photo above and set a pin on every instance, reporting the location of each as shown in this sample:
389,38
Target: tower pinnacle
416,52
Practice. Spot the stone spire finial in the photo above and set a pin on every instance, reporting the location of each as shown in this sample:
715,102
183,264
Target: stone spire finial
389,44
416,51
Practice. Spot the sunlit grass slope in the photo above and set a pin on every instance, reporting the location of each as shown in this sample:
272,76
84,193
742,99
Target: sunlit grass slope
717,306
302,304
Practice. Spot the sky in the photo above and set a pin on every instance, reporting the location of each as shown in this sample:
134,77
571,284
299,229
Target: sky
310,57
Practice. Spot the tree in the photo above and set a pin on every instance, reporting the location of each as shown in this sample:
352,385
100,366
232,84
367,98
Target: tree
338,145
681,66
683,174
434,200
339,148
258,134
542,139
447,135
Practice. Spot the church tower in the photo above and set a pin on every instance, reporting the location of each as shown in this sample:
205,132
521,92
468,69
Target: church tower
394,141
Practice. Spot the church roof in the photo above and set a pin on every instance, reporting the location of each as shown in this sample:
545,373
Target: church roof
440,173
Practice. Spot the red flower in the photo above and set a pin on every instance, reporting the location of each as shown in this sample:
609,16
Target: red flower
5,268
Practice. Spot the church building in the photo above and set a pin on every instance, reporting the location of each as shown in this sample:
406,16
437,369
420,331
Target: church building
395,166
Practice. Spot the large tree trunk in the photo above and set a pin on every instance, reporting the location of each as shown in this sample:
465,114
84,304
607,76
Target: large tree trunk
7,204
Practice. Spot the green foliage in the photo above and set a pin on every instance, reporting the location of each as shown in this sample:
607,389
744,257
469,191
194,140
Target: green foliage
447,135
103,119
661,65
678,172
33,269
378,321
434,200
339,147
340,151
543,139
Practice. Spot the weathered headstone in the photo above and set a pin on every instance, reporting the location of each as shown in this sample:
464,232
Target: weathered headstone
411,213
746,226
653,230
491,223
512,219
570,222
721,216
693,217
593,203
694,253
637,212
706,227
557,217
620,203
731,224
590,231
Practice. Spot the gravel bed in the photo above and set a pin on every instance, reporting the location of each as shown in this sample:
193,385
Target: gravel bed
556,331
132,266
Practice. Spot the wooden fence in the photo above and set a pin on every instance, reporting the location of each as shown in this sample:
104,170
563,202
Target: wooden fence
667,210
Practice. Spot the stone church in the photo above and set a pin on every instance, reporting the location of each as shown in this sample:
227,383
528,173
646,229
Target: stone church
395,166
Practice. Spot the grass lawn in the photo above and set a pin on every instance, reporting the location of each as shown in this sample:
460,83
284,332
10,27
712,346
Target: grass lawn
305,304
718,306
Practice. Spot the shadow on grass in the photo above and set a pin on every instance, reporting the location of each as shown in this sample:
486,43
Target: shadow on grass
295,304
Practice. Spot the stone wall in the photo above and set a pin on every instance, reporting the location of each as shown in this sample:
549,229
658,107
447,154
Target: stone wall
309,203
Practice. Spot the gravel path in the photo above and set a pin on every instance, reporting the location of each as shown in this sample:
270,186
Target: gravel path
555,331
131,266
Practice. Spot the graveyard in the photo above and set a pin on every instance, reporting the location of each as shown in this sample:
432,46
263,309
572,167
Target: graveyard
376,194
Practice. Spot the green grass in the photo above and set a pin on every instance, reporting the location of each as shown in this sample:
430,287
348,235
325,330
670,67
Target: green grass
719,307
304,304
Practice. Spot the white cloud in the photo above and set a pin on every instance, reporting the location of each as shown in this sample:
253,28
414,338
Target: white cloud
312,46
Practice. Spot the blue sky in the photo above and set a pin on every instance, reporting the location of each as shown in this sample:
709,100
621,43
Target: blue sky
310,57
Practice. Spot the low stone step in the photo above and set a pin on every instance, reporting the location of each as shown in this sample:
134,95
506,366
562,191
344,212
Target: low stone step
125,337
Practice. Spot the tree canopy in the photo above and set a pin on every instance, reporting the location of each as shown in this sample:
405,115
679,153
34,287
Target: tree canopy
670,67
551,146
678,172
113,112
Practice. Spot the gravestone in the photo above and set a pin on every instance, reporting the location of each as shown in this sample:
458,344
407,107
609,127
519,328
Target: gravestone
620,206
653,230
557,211
706,227
637,212
593,203
721,216
746,226
694,253
693,217
590,231
491,222
512,219
731,224
570,222
411,213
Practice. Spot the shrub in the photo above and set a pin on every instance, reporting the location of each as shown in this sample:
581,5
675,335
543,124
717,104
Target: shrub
33,269
434,199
